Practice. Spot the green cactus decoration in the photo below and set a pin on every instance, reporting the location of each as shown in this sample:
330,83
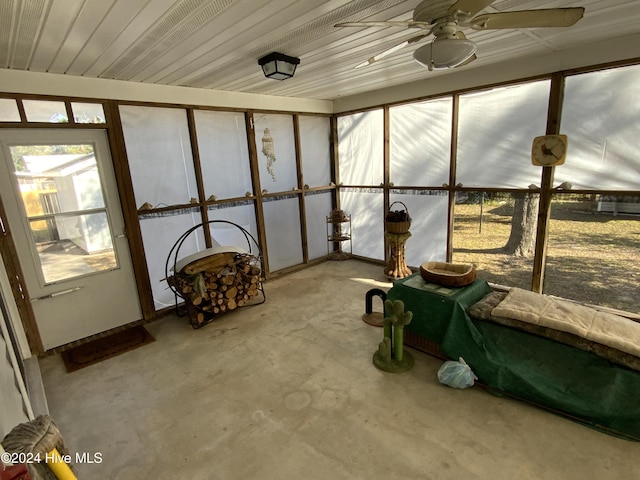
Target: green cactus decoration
390,355
384,349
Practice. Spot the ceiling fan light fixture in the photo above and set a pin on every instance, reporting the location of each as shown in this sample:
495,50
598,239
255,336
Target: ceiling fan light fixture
445,53
278,65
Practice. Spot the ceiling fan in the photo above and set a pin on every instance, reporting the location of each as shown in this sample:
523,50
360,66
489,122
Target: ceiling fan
450,47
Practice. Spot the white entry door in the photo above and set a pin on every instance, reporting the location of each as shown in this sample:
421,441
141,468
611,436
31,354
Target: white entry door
61,200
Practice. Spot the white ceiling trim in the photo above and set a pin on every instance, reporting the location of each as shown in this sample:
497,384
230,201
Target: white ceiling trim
16,81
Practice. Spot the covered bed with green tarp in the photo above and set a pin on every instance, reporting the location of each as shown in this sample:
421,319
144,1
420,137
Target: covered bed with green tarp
576,383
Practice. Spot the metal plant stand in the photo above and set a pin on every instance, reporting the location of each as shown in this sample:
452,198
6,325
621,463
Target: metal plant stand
338,232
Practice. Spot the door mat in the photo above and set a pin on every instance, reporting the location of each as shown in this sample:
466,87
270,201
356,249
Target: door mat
106,347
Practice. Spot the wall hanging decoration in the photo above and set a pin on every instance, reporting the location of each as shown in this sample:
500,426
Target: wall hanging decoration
269,152
549,150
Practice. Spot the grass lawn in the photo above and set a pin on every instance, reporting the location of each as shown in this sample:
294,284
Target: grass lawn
592,256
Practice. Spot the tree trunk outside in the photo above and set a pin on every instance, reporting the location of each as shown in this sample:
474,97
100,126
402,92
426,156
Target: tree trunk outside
523,225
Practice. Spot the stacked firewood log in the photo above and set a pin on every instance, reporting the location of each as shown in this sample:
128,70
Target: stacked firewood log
217,284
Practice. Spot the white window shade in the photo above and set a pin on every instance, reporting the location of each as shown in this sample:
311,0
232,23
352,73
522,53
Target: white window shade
226,234
496,129
428,211
603,131
159,153
361,148
159,235
317,207
420,143
315,137
282,225
222,145
367,225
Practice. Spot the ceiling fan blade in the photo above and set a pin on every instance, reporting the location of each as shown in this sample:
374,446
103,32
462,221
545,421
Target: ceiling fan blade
469,7
391,50
551,17
403,24
417,38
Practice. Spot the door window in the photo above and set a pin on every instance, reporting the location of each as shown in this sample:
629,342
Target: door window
64,207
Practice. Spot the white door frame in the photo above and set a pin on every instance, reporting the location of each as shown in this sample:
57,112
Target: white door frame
69,310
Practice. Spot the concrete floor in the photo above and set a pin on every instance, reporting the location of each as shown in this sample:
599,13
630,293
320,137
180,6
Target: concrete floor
287,390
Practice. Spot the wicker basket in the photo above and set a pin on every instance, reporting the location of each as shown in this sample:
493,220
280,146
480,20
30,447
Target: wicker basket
448,274
392,225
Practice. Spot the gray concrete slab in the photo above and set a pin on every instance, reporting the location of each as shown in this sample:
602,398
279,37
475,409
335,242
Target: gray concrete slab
287,390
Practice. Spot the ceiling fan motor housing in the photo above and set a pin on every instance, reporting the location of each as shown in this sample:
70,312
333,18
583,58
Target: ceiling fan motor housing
445,30
430,10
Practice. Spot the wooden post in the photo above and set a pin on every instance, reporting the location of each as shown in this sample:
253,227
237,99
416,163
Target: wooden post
546,185
257,192
386,181
451,189
124,182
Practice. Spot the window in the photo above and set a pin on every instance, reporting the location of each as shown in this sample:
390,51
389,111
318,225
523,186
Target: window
45,111
87,112
495,131
420,143
9,110
603,132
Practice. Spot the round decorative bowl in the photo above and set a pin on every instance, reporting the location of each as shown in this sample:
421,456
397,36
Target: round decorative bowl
448,274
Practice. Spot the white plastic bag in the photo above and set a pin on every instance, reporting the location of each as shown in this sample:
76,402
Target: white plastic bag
456,374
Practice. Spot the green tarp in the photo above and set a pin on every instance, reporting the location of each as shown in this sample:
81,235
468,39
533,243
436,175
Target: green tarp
579,384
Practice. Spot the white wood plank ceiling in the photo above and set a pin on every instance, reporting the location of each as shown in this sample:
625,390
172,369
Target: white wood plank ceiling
215,44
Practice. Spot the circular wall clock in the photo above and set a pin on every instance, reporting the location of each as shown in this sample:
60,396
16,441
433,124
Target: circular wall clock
549,150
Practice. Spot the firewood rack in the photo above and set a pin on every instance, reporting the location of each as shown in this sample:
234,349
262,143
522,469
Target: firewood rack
242,266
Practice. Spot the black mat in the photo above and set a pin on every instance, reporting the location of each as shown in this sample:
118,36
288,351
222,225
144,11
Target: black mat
105,347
